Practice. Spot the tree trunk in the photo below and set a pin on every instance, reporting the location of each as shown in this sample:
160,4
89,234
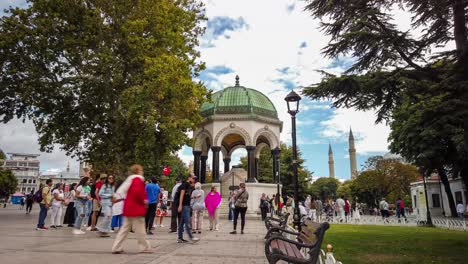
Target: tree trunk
448,191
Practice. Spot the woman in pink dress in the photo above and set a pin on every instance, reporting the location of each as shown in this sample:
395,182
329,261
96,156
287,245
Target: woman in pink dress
212,202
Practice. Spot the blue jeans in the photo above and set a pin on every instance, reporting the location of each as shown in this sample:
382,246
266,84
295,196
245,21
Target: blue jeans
185,221
81,212
106,221
117,221
42,216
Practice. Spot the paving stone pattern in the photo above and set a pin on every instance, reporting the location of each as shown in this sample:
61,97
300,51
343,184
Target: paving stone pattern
20,243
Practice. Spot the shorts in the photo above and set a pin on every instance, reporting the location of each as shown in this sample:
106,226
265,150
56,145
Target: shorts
96,205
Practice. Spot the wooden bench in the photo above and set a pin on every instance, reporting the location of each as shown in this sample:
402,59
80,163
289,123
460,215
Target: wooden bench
278,247
274,224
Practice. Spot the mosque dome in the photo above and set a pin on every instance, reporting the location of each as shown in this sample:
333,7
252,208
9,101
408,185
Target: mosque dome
238,100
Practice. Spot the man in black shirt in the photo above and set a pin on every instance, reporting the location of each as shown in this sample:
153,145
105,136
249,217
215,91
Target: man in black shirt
183,194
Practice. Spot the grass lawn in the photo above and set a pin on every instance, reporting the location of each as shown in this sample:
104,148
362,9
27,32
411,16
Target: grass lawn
391,244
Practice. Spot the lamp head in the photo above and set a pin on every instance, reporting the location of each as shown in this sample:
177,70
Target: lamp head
292,99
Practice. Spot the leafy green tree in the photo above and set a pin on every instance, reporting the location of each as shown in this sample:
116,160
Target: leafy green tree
2,155
389,178
8,183
326,188
345,189
397,72
286,172
109,81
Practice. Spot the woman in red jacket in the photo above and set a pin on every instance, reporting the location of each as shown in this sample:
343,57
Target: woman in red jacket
134,210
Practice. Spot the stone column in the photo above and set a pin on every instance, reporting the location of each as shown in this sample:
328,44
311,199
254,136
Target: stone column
256,167
227,164
275,155
215,164
203,169
250,163
196,163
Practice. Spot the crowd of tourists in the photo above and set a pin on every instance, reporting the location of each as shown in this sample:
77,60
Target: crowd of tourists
330,210
106,205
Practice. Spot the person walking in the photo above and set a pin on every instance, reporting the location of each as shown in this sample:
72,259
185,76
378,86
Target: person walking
232,196
183,200
213,201
384,210
356,211
400,209
340,204
319,209
82,195
198,207
106,193
44,205
152,191
69,218
263,206
22,202
347,209
240,202
175,216
57,202
134,210
29,202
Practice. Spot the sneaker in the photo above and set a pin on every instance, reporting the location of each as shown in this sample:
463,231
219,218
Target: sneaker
59,226
216,229
181,241
78,232
94,229
233,232
52,226
242,232
194,240
42,228
111,231
88,228
161,225
149,233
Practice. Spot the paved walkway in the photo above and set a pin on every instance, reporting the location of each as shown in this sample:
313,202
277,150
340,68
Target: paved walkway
21,243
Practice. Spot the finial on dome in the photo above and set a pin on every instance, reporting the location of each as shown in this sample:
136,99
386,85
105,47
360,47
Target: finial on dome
237,80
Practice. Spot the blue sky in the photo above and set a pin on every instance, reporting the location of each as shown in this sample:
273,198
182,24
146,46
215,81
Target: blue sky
273,51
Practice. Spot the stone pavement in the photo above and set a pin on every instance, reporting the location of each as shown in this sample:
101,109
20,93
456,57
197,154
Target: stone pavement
21,243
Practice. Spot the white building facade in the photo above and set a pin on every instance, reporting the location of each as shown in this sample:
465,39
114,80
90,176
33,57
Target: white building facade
26,169
436,196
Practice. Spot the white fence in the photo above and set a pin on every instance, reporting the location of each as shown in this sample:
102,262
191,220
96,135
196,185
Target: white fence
440,222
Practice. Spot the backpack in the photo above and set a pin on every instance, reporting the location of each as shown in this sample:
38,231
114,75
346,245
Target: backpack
37,197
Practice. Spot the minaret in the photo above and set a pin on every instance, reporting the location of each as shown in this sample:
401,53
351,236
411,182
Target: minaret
331,162
352,155
68,166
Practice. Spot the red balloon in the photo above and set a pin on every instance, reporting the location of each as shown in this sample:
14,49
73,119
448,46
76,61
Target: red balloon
166,170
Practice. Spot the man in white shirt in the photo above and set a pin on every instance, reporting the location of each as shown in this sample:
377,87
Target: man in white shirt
341,203
175,216
384,209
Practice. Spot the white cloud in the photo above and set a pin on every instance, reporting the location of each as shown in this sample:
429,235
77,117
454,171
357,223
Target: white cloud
369,137
16,136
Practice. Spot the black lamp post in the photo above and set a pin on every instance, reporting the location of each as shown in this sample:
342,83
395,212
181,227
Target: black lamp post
292,100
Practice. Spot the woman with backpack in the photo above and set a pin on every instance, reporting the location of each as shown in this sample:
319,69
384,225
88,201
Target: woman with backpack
57,201
82,197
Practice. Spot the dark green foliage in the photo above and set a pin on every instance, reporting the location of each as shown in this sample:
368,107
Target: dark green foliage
8,183
422,94
325,188
97,76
